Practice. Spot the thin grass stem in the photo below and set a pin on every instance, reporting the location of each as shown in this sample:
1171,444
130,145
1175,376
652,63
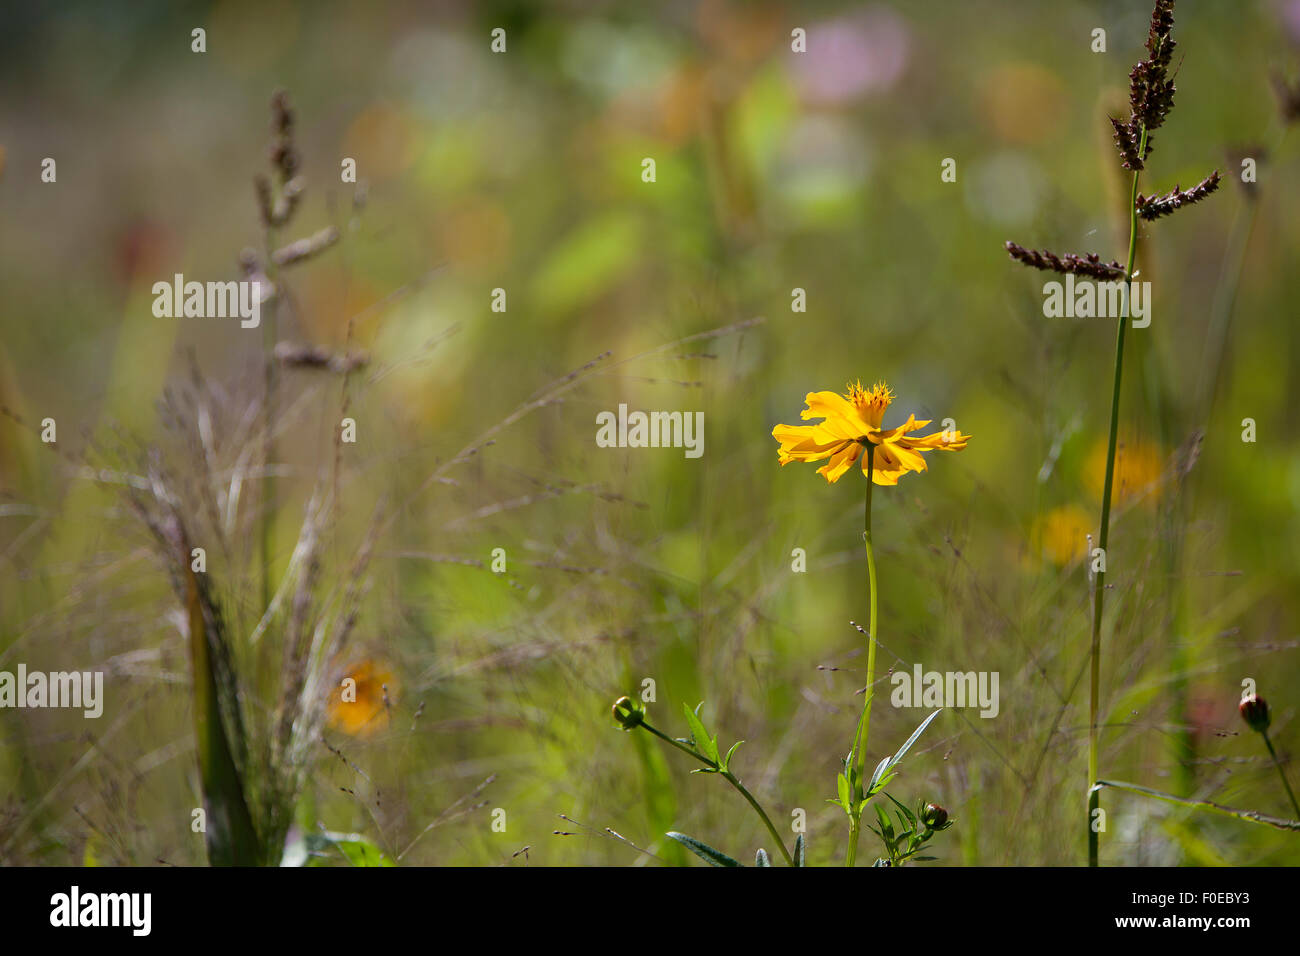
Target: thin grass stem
1099,578
1250,816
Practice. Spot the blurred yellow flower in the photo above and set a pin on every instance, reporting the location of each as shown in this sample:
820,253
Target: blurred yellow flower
1061,535
359,703
1139,465
852,420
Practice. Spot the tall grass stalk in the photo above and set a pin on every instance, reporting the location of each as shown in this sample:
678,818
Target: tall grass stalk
1103,539
269,503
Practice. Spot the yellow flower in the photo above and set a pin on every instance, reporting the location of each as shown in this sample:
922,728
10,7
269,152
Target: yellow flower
359,703
851,421
1061,535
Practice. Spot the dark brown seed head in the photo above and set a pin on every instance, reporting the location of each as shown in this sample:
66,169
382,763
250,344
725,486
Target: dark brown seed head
1089,265
1153,207
1151,90
1126,141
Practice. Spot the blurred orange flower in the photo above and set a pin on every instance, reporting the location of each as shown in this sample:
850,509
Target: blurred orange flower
1061,535
1139,465
360,702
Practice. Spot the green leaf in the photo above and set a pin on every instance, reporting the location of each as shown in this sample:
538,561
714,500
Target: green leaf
886,827
706,745
883,775
800,848
361,852
702,850
726,761
760,859
916,735
911,817
881,784
320,849
875,777
845,798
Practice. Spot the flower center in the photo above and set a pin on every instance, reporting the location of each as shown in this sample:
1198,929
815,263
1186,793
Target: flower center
870,402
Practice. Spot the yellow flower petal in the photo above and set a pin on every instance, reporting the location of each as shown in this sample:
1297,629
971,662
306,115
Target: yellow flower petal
841,462
805,443
935,442
842,419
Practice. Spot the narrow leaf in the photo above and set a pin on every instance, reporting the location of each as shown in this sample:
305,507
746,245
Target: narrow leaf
913,739
886,827
800,848
726,761
882,783
875,777
706,745
702,850
760,859
911,818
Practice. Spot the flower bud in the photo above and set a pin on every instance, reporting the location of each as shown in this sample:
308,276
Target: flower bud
934,816
1254,711
628,713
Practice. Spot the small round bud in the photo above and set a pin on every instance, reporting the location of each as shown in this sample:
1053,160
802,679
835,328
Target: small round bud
1254,711
934,816
628,713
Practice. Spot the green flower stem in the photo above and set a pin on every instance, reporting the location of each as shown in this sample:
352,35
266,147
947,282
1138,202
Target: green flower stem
731,779
864,725
1280,772
1099,578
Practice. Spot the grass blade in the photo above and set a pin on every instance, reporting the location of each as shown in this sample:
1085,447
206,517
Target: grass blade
231,837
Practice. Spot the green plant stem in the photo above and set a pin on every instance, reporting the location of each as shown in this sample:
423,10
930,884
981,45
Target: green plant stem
864,725
1280,772
1250,816
731,779
269,504
1099,578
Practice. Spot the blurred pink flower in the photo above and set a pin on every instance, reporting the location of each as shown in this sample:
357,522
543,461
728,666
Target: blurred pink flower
1289,12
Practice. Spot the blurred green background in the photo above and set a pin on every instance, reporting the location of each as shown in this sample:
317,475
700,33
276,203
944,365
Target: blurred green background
775,170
